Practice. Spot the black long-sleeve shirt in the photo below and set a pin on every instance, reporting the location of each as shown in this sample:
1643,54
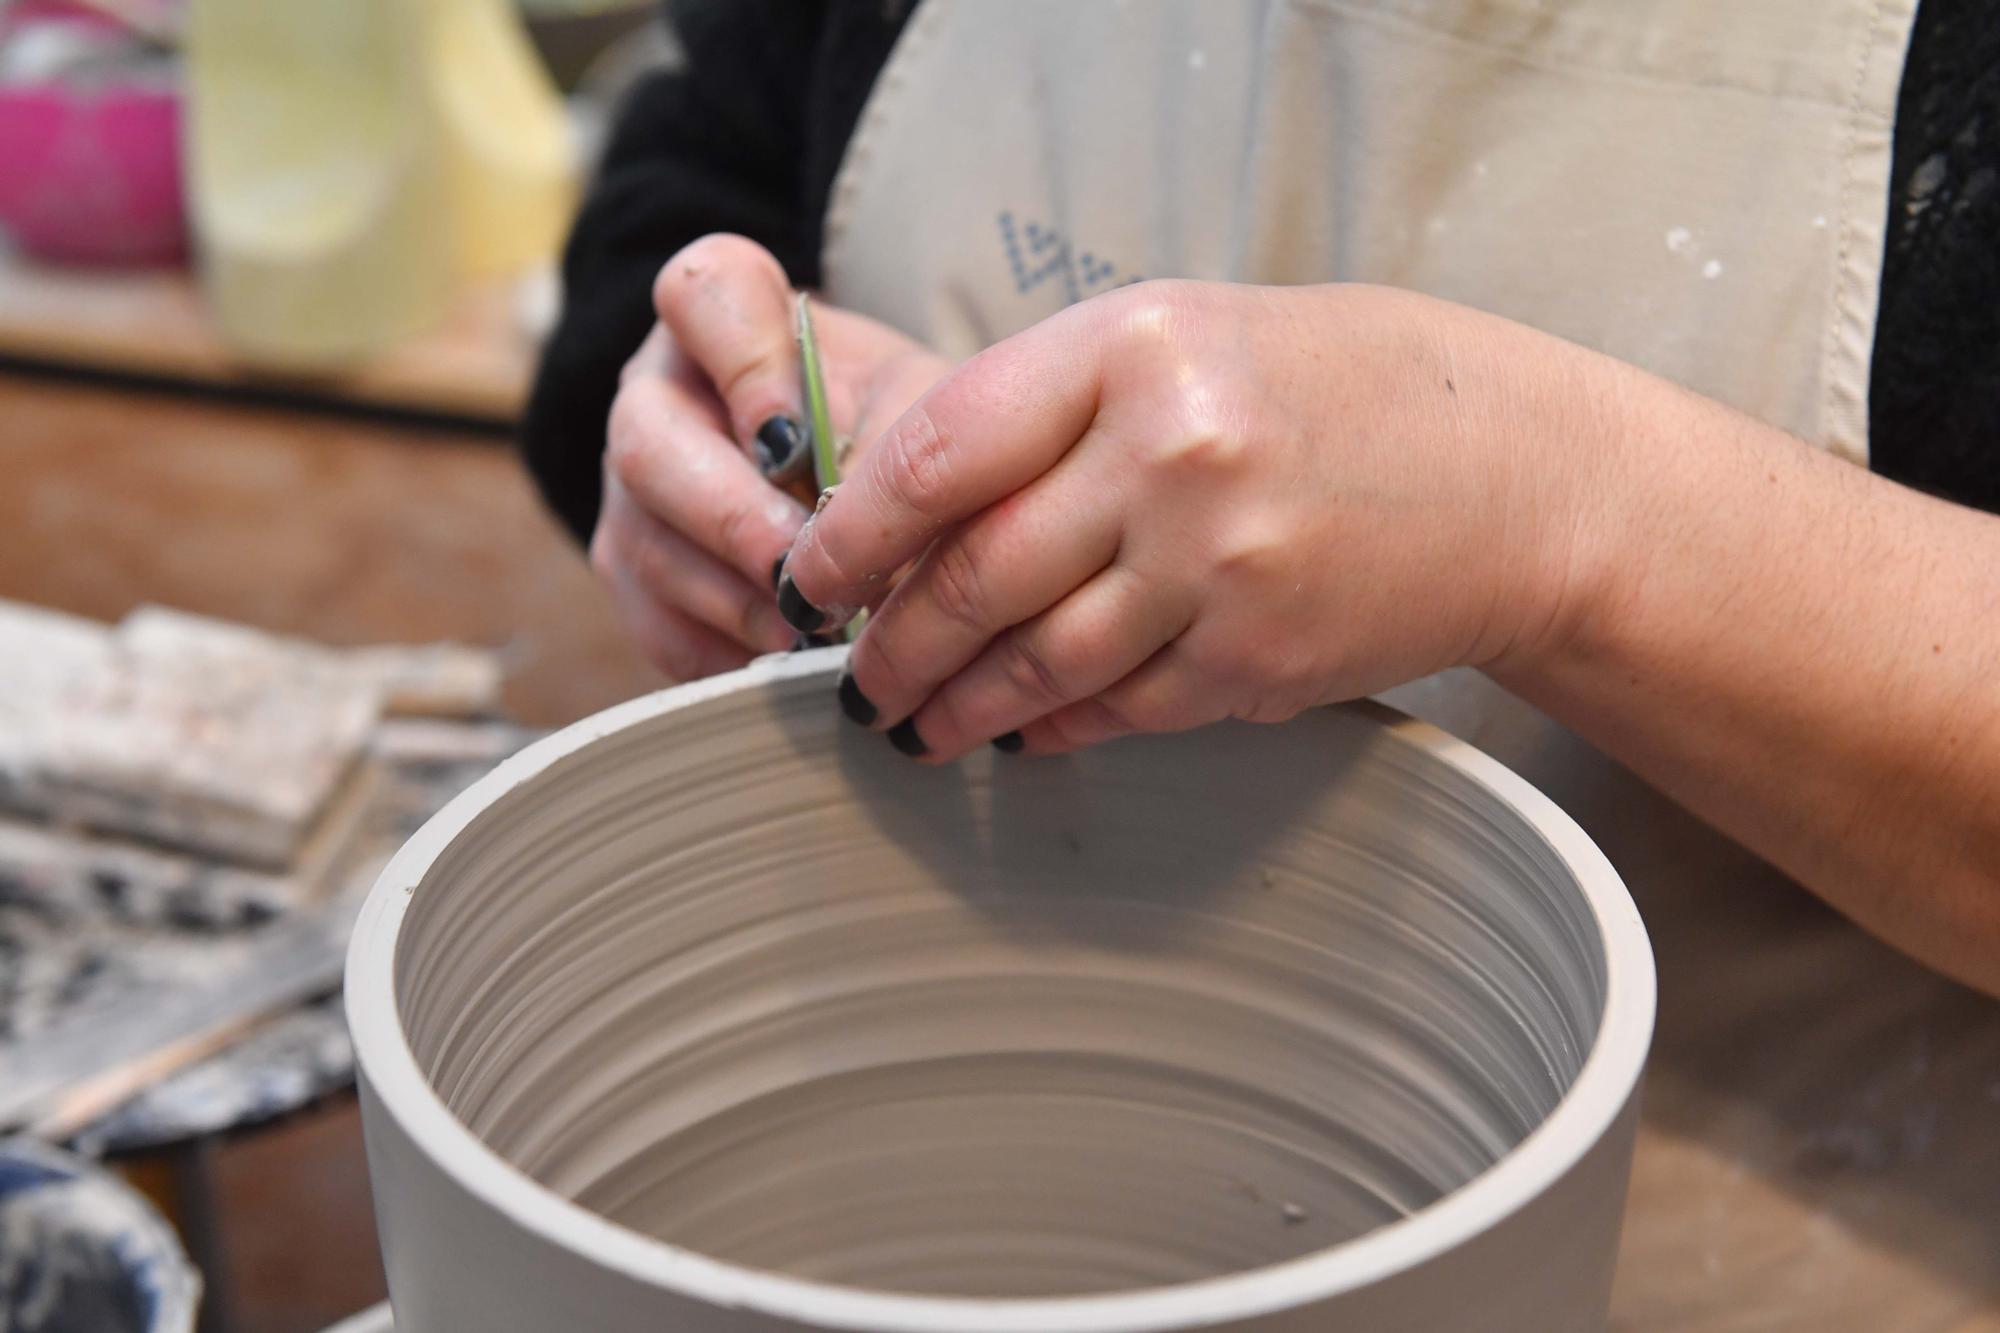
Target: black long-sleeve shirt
746,135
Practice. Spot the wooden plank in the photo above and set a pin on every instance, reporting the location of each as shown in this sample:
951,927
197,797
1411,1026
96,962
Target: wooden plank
205,735
42,653
446,680
475,363
431,680
201,733
55,1085
186,992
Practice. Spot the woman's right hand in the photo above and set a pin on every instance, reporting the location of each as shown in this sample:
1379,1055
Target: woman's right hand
708,411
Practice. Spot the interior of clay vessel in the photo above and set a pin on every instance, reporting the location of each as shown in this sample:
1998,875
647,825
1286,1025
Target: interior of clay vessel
741,978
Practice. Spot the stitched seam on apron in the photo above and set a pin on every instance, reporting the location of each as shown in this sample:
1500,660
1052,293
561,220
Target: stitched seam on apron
1575,66
1834,384
889,83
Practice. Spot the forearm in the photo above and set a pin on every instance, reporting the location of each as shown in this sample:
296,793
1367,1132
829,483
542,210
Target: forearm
1805,655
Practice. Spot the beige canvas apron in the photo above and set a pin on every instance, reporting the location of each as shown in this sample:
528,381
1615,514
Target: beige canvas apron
1695,186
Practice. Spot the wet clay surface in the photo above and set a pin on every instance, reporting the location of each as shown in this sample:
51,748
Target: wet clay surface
1009,1030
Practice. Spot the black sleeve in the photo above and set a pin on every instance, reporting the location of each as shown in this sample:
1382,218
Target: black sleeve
1934,390
712,144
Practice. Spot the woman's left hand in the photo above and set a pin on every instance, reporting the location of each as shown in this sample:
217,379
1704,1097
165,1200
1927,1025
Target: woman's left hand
1187,501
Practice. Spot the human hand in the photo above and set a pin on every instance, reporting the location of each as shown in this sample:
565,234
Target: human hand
1188,501
704,429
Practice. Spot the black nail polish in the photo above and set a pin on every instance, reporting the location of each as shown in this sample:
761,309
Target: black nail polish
805,641
904,737
800,614
1012,743
778,571
854,703
779,445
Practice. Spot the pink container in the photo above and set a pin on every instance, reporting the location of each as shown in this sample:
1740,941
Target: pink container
90,167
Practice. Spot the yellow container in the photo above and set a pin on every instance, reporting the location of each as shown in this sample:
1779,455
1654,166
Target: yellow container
512,166
349,161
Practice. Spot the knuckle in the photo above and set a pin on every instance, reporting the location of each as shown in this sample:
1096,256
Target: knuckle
1159,341
1204,437
948,717
1202,451
659,638
626,439
956,586
1067,725
697,264
1276,708
676,277
878,663
745,615
604,561
675,660
696,260
1296,680
1282,697
1030,673
1154,313
916,462
1281,691
1253,551
733,528
1223,667
752,385
627,463
635,366
1117,719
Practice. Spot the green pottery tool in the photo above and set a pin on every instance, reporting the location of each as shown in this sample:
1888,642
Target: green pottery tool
819,421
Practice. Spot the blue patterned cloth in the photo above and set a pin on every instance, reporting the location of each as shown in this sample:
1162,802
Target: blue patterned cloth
81,1252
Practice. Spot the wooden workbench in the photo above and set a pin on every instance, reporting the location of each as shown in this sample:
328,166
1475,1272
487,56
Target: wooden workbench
474,364
1821,1142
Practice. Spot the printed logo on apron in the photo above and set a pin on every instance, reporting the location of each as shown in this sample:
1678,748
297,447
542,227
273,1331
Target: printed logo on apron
1698,187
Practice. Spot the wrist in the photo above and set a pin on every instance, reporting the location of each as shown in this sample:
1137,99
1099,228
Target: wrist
1593,430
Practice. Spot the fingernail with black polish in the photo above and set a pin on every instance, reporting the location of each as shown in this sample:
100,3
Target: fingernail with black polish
800,614
1011,743
904,737
779,443
854,703
778,571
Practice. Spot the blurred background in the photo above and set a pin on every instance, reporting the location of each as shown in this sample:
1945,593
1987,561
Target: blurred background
273,274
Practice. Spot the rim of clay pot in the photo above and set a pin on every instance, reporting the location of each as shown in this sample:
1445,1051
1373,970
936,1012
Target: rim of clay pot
1607,1079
